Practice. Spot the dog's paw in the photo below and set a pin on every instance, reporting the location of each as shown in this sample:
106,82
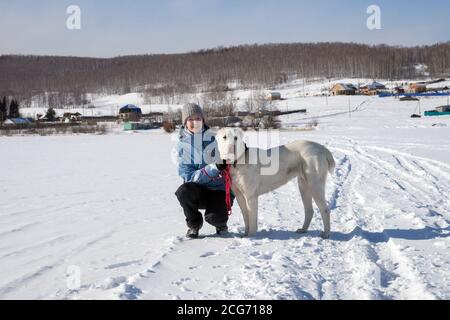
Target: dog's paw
250,234
302,231
325,235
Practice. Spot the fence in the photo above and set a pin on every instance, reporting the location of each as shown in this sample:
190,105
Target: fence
44,129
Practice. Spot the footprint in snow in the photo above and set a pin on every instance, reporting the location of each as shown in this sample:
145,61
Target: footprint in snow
261,256
208,254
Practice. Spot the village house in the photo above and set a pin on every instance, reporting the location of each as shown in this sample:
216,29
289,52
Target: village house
273,96
372,89
71,117
17,121
343,89
130,113
417,88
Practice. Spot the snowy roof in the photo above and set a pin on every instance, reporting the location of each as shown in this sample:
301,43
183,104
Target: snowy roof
374,85
68,114
347,86
130,108
18,121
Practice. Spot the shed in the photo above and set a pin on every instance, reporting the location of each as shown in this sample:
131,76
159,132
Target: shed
129,126
443,109
273,96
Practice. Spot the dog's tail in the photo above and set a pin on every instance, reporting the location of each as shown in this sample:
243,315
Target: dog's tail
331,162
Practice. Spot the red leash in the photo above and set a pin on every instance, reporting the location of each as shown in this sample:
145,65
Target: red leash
228,183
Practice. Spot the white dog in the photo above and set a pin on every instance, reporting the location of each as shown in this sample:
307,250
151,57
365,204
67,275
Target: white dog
309,162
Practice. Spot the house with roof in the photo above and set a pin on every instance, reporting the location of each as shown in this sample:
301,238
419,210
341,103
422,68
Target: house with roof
130,113
71,117
372,89
343,89
417,88
16,122
272,96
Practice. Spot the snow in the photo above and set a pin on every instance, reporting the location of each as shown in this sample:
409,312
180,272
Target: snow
105,206
109,105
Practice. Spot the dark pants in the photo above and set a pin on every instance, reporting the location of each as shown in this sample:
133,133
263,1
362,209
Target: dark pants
194,197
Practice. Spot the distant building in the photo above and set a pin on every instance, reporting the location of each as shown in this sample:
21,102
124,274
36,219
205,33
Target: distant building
130,113
273,96
16,121
372,89
44,118
343,89
231,121
443,109
417,88
154,117
71,117
129,126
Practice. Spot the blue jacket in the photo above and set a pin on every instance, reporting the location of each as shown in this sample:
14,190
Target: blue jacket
197,156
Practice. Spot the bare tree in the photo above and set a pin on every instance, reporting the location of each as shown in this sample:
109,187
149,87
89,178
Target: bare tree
166,78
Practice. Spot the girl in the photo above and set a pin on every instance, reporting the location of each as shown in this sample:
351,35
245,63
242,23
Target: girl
203,186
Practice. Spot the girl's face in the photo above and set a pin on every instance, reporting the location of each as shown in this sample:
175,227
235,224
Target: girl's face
195,124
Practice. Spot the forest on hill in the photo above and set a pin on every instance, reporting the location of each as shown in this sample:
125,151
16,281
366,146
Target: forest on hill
68,80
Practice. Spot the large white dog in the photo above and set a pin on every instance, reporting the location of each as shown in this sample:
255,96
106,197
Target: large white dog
309,162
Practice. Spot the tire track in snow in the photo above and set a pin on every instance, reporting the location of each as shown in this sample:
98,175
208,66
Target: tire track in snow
408,188
403,280
292,276
24,280
125,287
281,264
272,265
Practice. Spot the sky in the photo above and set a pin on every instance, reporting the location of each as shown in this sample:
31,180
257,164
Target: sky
127,27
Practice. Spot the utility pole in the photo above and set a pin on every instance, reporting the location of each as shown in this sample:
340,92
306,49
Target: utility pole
349,109
304,93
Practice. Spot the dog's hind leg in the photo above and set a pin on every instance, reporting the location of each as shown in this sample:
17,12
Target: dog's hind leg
319,198
307,204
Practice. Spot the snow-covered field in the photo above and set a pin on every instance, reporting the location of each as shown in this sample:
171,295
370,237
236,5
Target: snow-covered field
105,206
110,105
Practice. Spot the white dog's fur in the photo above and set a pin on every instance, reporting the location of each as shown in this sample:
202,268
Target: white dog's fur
309,162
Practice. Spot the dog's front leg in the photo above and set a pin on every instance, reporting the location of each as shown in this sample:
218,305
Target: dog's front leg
243,205
252,205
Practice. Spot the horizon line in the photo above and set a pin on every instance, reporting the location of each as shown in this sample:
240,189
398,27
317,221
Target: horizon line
224,47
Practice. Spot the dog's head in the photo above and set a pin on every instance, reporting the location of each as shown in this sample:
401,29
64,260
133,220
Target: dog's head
231,144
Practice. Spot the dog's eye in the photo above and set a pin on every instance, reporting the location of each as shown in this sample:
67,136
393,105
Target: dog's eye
235,138
225,138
